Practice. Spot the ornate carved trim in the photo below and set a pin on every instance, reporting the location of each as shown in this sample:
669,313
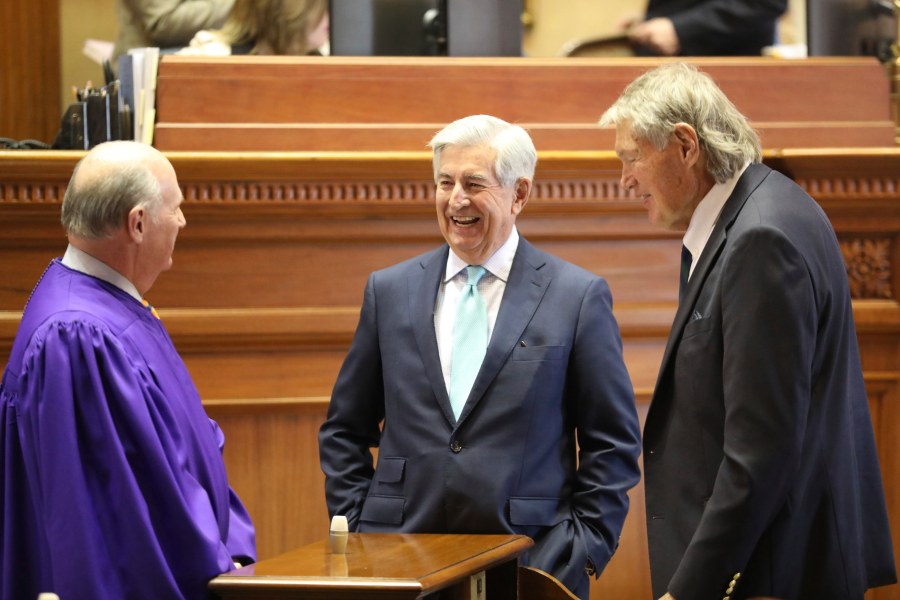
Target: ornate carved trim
379,192
582,190
313,192
38,192
869,267
842,186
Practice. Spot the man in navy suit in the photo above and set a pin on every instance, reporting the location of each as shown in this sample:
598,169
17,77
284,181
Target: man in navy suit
546,441
761,475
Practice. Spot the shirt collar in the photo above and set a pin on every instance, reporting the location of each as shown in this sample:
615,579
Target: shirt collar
707,213
498,265
83,262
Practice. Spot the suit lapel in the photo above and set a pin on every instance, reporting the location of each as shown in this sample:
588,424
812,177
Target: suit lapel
423,288
526,286
748,182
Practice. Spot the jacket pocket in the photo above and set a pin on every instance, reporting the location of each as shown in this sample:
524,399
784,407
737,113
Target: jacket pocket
697,327
390,470
539,352
383,509
533,511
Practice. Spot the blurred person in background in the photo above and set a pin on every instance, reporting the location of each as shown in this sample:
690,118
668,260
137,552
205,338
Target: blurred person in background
267,27
165,23
705,27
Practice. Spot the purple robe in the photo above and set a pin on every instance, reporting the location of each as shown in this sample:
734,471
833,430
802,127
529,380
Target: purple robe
113,483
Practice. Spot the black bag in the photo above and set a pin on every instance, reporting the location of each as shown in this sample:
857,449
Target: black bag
98,115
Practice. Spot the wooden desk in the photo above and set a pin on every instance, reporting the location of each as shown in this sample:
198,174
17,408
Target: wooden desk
395,566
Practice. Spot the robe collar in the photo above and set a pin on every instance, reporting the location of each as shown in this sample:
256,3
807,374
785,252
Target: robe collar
81,261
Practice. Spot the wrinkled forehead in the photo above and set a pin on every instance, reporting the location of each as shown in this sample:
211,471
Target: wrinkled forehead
467,159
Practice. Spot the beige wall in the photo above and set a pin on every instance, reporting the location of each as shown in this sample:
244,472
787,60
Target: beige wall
80,20
555,23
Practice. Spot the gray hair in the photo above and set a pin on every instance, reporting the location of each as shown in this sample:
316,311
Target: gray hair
679,93
105,186
516,156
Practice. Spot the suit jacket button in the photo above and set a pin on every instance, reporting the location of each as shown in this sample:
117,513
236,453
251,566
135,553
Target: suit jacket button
455,447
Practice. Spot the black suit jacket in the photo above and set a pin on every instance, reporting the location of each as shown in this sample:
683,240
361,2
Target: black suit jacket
553,367
759,454
721,27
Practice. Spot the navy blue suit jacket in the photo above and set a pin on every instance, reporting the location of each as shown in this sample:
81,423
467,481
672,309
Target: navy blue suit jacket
510,464
759,455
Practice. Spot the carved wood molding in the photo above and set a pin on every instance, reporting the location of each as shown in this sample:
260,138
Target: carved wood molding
851,185
869,262
394,192
576,196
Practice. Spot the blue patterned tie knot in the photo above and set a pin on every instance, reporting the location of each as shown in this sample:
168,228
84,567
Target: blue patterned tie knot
470,338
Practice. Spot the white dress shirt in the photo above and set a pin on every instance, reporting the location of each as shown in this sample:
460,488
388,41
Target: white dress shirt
491,288
705,216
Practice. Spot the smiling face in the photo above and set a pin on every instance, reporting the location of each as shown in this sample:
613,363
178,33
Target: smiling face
670,182
475,212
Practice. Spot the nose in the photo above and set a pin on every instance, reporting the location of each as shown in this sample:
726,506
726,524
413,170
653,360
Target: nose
182,222
627,180
458,197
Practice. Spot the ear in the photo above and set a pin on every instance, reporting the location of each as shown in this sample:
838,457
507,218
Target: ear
522,191
688,142
135,224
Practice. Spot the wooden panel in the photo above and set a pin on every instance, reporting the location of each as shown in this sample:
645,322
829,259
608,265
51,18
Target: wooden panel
272,457
29,70
298,104
268,278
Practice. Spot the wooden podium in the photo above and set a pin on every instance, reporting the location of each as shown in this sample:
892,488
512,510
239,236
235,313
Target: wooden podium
388,566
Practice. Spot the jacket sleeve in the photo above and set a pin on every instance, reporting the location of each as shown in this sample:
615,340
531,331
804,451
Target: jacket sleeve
600,398
352,428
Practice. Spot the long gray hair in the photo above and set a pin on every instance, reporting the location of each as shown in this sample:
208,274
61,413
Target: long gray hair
676,93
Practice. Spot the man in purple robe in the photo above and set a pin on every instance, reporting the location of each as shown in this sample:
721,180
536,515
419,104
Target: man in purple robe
113,484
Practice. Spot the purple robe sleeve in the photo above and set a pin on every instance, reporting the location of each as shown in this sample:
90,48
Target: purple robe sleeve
127,494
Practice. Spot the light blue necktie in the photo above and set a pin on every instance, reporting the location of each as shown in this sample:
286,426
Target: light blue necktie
470,338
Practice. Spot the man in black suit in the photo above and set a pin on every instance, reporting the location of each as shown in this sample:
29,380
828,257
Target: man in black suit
762,479
706,27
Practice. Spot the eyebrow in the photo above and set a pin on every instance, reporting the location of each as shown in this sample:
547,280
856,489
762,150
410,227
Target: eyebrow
468,176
